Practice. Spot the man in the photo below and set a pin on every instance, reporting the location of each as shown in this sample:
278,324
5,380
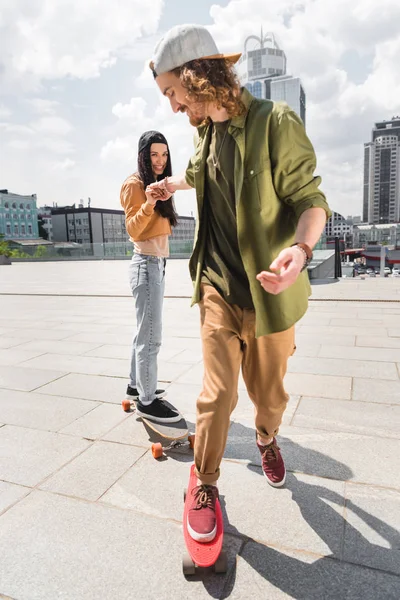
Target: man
260,213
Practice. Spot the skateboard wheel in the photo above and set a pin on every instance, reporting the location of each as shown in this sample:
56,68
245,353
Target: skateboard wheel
184,494
126,405
188,566
221,565
157,450
191,439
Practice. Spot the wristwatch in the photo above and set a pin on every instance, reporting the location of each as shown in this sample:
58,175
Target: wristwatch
307,253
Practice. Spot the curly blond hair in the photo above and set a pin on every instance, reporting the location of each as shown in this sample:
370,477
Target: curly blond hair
212,81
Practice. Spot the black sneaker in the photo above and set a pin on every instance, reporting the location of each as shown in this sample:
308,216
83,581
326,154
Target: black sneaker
158,411
132,393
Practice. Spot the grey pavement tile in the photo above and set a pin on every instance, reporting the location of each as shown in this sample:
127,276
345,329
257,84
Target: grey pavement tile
14,356
274,574
7,342
184,397
26,380
193,375
10,494
306,514
111,351
94,471
37,334
170,371
394,332
37,411
101,338
317,319
343,367
97,422
90,387
59,347
346,331
27,456
135,489
131,431
308,384
361,323
376,390
382,420
77,364
359,353
372,533
323,339
376,342
336,455
67,548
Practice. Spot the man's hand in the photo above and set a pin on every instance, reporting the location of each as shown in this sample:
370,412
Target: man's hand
153,194
286,267
163,188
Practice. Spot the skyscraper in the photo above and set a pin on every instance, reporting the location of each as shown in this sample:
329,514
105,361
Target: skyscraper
263,72
381,200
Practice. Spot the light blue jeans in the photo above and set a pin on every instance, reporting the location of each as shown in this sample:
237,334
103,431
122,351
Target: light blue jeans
147,281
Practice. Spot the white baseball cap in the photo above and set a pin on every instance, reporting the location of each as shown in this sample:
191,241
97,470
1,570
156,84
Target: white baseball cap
184,43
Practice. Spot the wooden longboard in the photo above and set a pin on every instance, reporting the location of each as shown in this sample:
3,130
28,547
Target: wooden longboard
169,431
203,554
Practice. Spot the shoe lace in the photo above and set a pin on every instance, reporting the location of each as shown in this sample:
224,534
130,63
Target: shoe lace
205,496
271,452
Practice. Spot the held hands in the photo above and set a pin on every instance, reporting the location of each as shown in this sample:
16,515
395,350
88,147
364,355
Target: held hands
159,190
286,267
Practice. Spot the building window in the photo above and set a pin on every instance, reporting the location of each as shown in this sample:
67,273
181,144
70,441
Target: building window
28,206
14,205
23,229
15,229
21,206
29,229
8,229
6,205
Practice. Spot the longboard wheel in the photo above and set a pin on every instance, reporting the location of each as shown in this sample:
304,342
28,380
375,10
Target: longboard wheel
221,564
188,566
191,439
157,450
126,405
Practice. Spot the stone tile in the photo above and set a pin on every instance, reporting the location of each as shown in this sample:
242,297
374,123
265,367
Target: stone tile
102,338
135,489
276,574
394,332
7,342
376,390
94,471
111,351
307,514
372,533
77,364
37,334
308,384
10,494
192,376
170,371
27,456
335,455
376,342
341,415
38,411
63,546
343,367
348,330
184,397
26,380
14,356
96,422
131,431
59,347
364,354
90,387
317,340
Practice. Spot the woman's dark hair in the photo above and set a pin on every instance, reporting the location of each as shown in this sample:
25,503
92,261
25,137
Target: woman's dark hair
164,208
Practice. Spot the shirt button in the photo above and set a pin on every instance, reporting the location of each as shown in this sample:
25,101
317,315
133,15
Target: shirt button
252,172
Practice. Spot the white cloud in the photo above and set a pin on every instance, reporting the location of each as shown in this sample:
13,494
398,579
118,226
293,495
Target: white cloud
43,106
132,111
4,112
65,165
49,40
52,125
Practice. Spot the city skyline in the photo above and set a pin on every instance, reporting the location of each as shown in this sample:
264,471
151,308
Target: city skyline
73,106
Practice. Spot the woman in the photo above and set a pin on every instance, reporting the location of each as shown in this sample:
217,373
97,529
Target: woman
149,214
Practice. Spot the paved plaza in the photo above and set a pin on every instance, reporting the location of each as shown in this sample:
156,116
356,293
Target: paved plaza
86,513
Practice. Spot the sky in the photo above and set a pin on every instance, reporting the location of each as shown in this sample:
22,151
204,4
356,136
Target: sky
76,91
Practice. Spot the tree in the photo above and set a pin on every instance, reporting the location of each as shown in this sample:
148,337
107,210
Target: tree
42,231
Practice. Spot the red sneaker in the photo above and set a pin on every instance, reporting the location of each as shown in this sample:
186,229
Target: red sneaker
202,523
272,463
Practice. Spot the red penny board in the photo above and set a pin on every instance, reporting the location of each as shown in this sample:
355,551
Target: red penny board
202,554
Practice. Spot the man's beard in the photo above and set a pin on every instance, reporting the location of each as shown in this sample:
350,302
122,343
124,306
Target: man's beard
194,119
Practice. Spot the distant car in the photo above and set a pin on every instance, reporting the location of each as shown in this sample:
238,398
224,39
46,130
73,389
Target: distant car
396,272
361,271
372,274
369,270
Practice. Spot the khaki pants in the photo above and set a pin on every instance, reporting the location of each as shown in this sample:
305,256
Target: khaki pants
228,339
